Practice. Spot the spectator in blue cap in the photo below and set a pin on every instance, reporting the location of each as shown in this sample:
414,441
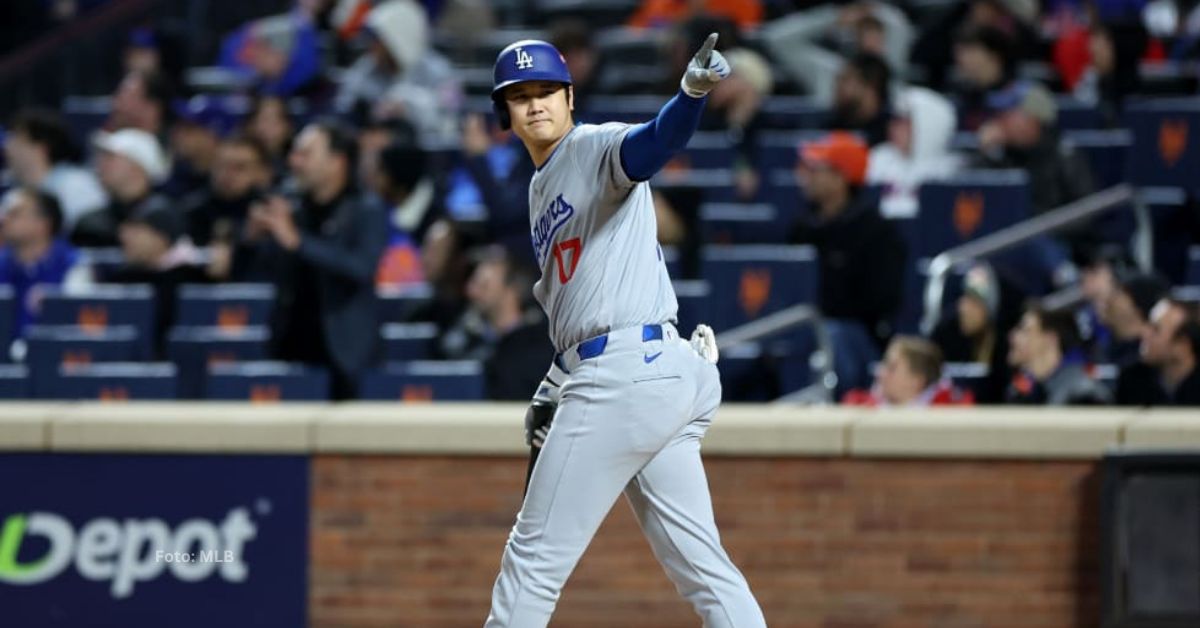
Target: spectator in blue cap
1024,135
200,123
155,49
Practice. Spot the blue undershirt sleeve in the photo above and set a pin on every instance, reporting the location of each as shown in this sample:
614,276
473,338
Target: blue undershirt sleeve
650,145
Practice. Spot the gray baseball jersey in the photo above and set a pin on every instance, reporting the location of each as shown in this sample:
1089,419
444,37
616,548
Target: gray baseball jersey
595,237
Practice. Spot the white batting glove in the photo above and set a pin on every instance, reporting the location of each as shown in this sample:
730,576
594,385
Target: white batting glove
705,70
704,342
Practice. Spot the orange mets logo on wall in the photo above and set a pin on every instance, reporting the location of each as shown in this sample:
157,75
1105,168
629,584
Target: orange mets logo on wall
114,393
92,317
233,317
968,213
1172,140
265,393
417,393
755,290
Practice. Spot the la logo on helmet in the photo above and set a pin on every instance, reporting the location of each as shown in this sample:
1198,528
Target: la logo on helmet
524,59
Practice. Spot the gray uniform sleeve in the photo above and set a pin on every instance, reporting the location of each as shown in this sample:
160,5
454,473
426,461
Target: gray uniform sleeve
597,153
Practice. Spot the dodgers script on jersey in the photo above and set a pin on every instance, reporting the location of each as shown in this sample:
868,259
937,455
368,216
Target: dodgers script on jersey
595,237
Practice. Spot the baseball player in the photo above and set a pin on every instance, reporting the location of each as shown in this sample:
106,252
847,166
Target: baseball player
633,398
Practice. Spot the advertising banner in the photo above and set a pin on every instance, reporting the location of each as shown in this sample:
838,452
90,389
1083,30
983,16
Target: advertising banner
153,540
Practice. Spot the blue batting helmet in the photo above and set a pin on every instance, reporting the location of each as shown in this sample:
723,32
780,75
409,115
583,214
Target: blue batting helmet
525,60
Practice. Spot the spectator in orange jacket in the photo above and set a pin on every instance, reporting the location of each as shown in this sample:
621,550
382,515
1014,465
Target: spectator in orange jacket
659,13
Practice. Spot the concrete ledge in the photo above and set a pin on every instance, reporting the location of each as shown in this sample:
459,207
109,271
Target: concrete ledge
989,432
1164,429
26,426
442,428
186,427
496,429
772,430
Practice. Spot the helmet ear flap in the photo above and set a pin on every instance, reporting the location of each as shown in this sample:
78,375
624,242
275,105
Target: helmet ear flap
501,110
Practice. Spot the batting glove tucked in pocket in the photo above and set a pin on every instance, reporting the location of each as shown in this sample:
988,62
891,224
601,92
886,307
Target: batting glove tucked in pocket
704,342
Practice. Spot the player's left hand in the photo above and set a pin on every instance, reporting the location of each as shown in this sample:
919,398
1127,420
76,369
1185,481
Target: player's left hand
542,406
705,70
704,342
539,436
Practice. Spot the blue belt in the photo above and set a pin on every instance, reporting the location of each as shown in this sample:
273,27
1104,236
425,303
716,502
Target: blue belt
593,347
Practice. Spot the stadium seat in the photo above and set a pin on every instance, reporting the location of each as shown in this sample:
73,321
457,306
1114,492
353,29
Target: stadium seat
1106,374
631,109
103,261
400,304
196,349
969,376
756,280
1167,78
619,46
1187,294
777,189
778,151
704,179
747,374
709,149
229,306
119,381
694,296
793,112
103,306
1074,114
8,313
954,212
1107,153
732,223
970,205
267,382
15,382
51,348
425,381
1166,142
908,319
404,342
793,352
85,114
674,261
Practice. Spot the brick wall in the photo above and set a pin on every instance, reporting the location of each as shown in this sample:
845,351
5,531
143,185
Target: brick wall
828,543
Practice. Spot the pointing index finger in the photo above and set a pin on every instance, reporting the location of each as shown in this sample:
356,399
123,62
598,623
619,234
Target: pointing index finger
705,52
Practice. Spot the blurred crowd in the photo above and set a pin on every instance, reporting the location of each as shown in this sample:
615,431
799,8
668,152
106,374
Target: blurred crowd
351,157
